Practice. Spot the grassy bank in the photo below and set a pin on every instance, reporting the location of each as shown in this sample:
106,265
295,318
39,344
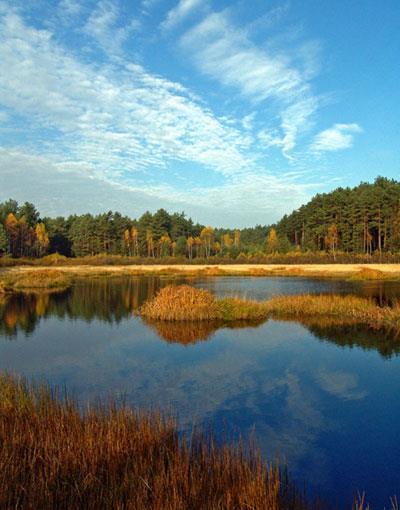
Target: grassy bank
339,271
259,258
180,303
53,456
45,279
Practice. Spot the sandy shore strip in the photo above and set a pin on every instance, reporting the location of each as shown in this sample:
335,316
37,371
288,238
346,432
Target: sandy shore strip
364,271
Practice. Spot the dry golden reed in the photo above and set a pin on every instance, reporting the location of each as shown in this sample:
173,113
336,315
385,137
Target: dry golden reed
181,303
53,456
35,280
185,303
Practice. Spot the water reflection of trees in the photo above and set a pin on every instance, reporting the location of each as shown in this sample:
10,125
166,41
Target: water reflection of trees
114,299
386,342
106,299
19,312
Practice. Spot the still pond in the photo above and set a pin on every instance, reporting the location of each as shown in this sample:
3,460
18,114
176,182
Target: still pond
324,399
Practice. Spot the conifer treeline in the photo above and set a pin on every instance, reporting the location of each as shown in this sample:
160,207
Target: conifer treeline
361,220
364,219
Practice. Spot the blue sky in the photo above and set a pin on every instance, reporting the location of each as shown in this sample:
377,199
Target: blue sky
235,115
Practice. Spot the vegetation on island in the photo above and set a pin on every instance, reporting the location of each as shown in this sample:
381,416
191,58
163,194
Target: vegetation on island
183,302
360,224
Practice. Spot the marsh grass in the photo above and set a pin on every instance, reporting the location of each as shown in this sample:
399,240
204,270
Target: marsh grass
98,266
367,273
50,279
237,309
181,303
185,303
54,456
343,309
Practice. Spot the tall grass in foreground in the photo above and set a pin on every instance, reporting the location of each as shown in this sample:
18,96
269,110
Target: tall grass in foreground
181,303
53,456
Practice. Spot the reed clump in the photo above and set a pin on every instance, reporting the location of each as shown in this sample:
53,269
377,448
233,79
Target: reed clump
181,303
35,280
53,456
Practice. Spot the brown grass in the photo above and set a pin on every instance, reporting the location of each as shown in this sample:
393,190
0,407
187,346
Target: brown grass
352,271
53,456
183,303
344,309
34,280
368,273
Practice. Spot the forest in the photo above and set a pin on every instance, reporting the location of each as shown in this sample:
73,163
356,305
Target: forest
364,220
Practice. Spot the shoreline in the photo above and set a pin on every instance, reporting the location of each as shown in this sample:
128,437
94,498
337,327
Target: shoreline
354,271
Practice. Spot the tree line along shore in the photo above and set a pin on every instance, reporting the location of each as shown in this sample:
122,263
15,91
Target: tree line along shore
360,224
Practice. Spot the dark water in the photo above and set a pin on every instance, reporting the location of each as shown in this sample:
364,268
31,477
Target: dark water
323,398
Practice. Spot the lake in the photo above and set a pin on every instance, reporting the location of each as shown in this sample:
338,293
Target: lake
323,399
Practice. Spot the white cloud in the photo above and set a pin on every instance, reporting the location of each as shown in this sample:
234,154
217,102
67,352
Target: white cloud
124,129
69,8
116,119
148,4
269,138
338,137
182,10
248,120
59,187
225,53
104,27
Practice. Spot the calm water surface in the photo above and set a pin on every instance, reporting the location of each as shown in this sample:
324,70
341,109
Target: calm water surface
325,399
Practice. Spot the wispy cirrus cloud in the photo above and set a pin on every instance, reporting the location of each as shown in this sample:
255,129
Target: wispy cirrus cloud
69,7
105,26
338,137
182,10
116,119
146,5
273,77
126,130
